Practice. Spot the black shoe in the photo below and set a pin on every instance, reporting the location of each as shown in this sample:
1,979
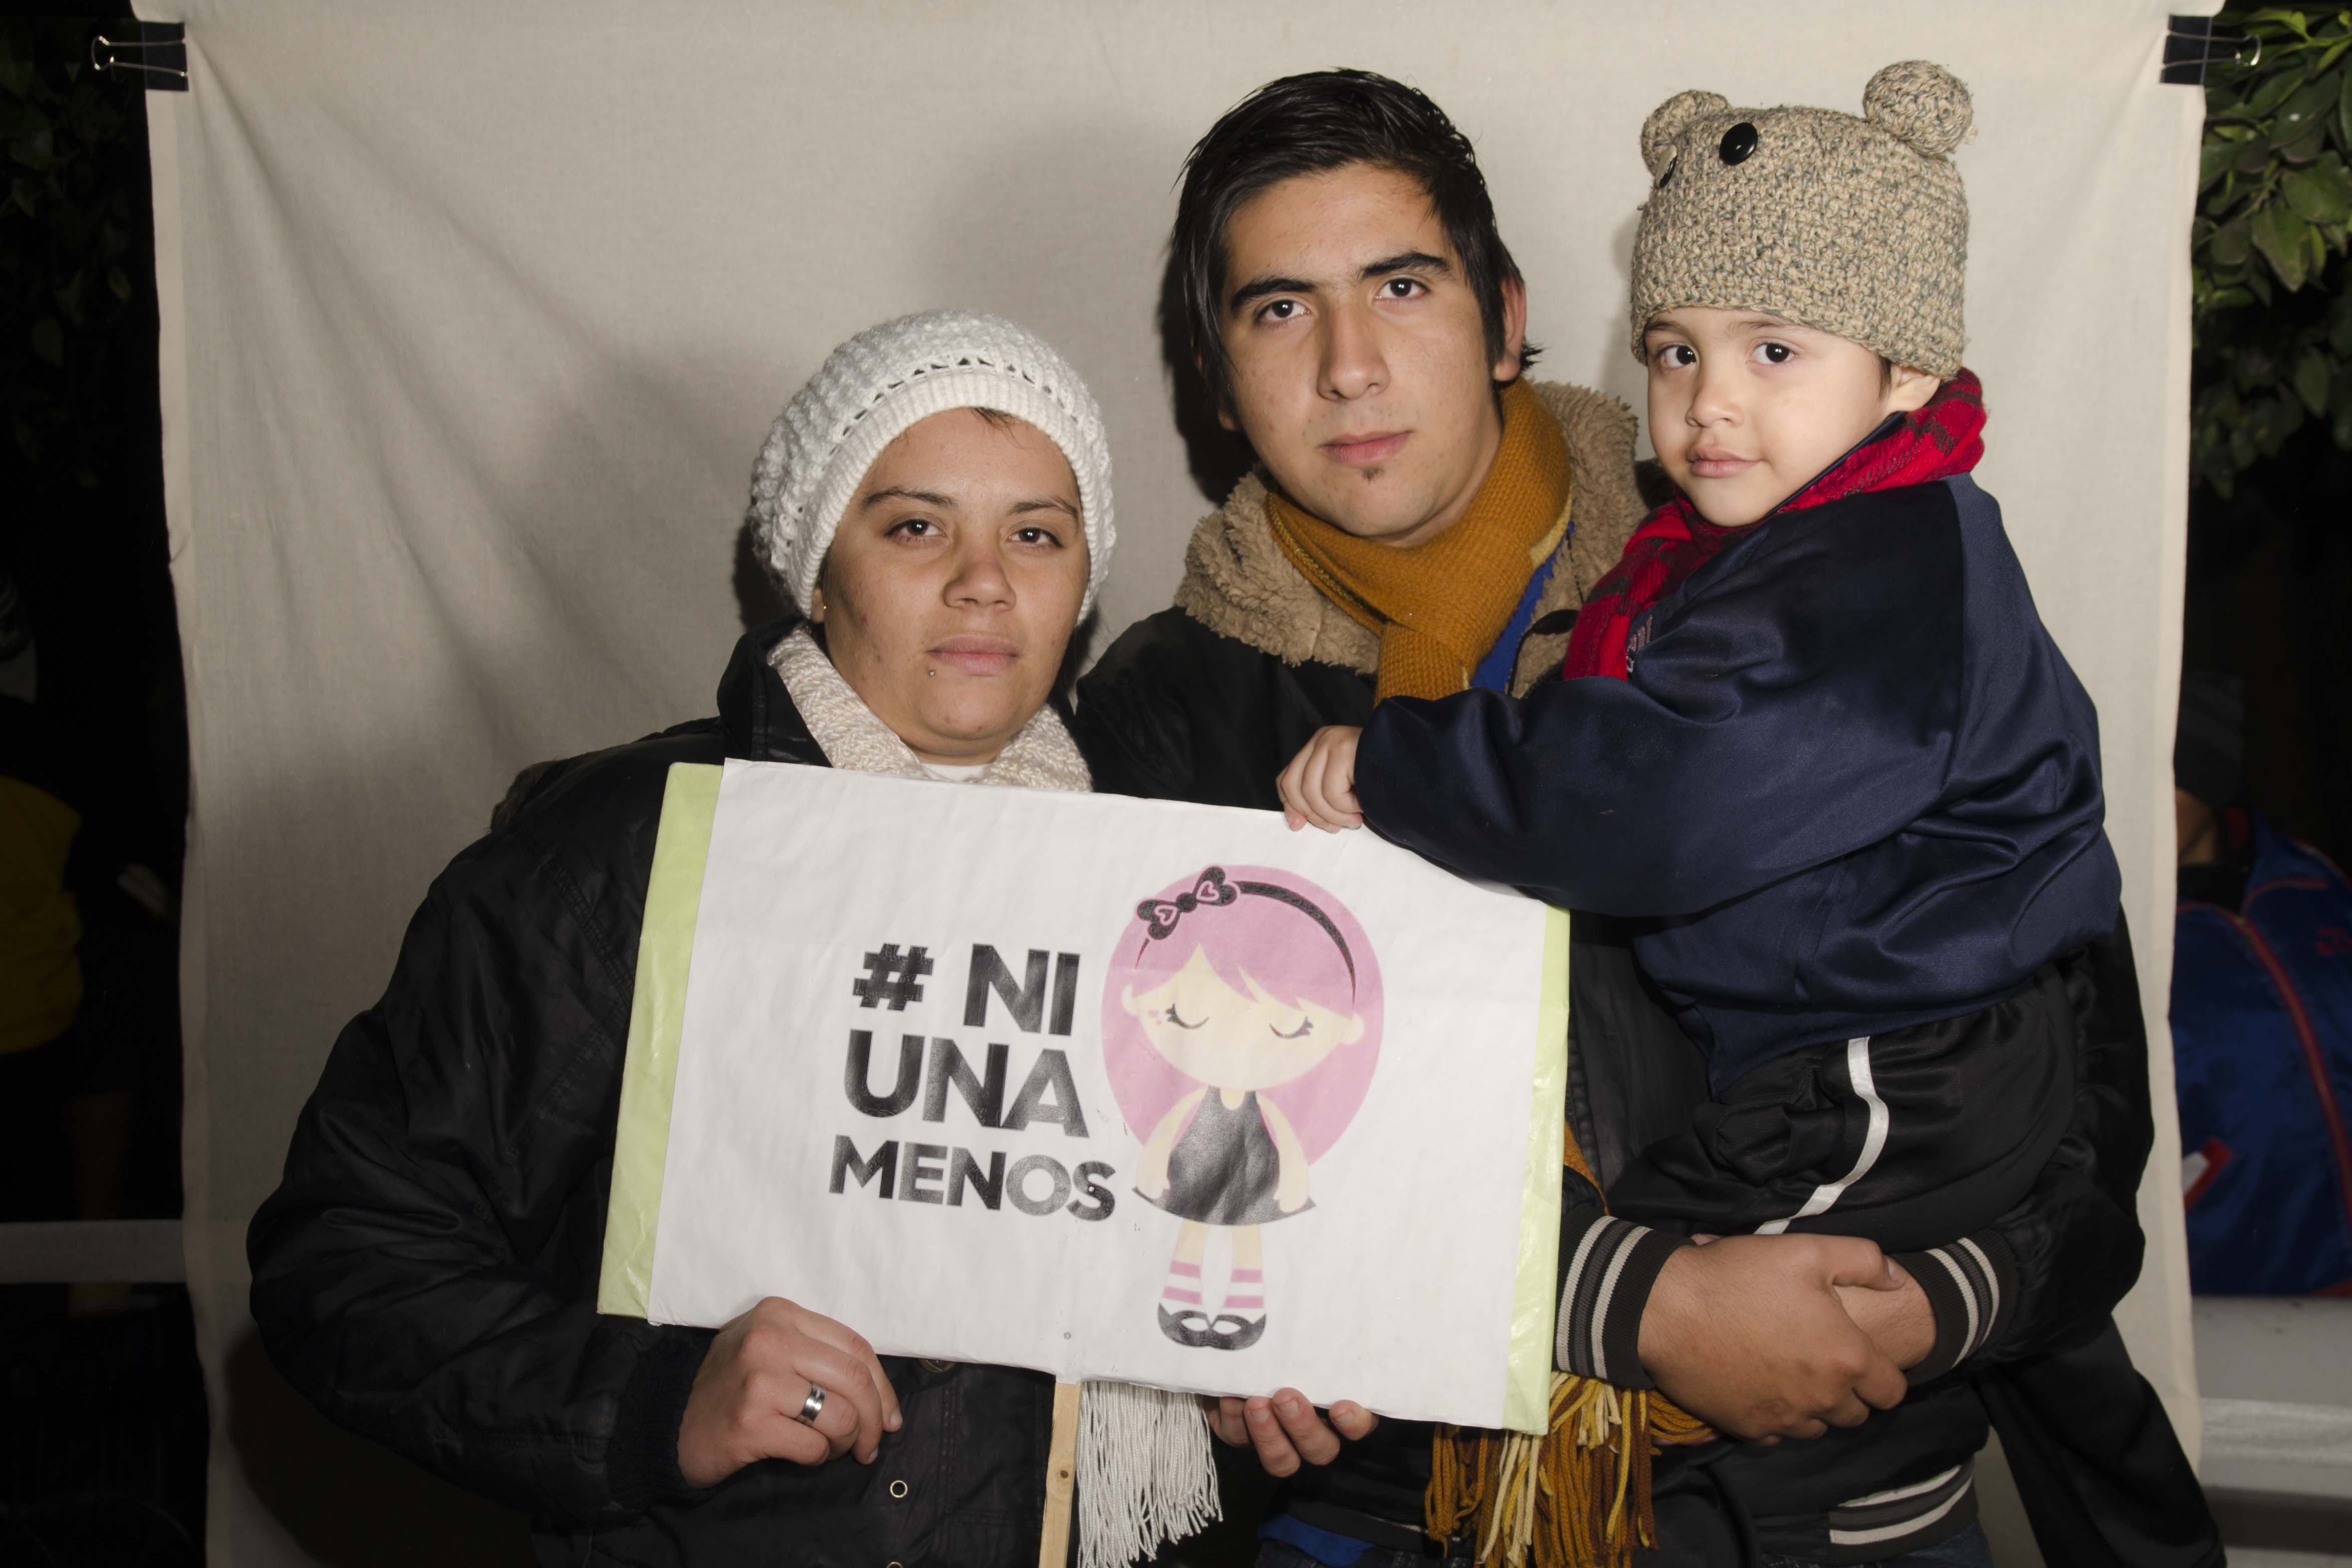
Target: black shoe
1188,1327
1244,1332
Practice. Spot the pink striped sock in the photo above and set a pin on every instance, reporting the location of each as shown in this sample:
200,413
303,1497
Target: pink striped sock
1245,1291
1183,1285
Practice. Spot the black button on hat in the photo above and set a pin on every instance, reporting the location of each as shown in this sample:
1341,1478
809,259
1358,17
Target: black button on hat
1738,142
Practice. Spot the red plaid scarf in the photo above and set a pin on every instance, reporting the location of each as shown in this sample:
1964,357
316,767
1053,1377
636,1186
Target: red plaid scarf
1944,437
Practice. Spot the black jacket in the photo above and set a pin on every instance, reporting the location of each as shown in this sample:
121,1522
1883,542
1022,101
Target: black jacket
1175,710
427,1272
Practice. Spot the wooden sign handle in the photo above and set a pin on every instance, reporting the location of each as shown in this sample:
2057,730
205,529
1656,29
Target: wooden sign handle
1061,1478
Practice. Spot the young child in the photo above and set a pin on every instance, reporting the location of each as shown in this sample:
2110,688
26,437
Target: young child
1813,733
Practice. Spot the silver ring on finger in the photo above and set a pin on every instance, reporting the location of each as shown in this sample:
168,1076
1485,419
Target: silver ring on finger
814,1405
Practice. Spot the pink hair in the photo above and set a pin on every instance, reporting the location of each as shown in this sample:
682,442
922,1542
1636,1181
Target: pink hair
1252,922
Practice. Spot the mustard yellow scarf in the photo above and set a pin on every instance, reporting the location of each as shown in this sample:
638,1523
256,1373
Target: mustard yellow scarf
1439,606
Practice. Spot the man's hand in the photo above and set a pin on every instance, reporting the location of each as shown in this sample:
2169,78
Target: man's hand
1319,784
1748,1334
746,1402
1899,1320
1286,1430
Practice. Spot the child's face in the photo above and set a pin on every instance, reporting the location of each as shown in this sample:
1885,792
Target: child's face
1216,1036
1746,407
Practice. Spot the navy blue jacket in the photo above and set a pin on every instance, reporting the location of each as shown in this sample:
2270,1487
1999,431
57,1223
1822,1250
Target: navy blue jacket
1850,777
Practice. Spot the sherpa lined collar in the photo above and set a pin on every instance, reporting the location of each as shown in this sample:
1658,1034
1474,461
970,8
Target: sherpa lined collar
1238,583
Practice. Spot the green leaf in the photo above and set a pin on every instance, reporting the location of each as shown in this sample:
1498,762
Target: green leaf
2303,114
2228,133
2311,379
2232,242
2278,234
2275,421
117,283
36,150
2344,111
2231,299
2316,197
2253,158
2274,93
2304,151
2213,161
50,341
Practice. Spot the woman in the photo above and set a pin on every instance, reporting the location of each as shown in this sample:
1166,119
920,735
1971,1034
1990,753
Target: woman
937,501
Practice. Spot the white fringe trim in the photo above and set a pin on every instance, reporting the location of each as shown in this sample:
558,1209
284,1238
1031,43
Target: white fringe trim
1146,1473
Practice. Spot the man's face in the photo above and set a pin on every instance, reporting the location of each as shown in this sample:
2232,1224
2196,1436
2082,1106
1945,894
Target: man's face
1358,359
1745,409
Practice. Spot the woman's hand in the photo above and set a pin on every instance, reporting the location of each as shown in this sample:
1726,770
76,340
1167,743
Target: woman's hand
1286,1430
1319,784
746,1402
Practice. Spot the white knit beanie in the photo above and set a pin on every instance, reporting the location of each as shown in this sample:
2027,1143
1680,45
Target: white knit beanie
885,379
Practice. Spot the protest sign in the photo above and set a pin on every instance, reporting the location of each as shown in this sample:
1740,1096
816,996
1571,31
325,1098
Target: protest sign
1108,1088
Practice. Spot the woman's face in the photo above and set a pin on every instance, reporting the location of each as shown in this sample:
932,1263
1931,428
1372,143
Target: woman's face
954,582
1217,1035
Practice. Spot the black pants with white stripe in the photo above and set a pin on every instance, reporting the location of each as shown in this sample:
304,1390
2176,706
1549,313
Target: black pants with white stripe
1918,1140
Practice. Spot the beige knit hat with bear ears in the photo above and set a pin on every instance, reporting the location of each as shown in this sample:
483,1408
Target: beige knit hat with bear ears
1854,226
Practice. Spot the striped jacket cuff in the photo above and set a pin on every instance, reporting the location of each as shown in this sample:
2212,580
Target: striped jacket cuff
1608,1267
1971,1285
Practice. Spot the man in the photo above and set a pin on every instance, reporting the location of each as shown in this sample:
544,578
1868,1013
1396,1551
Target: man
1423,521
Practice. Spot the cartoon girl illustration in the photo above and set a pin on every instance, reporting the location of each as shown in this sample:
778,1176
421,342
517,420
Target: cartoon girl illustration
1241,1023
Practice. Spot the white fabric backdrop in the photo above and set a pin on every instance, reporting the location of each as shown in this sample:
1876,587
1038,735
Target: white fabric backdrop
474,317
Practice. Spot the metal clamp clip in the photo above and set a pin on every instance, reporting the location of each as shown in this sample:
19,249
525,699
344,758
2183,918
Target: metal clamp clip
160,53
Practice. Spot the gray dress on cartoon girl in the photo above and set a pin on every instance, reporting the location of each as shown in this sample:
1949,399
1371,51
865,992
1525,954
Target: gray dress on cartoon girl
1224,1168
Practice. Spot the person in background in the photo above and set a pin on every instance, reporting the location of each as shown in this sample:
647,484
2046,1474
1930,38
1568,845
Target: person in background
2262,1026
88,961
40,930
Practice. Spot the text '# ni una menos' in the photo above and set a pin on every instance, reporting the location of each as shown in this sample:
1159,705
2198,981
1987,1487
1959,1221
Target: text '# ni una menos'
935,1072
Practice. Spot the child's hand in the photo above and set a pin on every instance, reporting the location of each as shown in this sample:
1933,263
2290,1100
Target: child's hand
1319,784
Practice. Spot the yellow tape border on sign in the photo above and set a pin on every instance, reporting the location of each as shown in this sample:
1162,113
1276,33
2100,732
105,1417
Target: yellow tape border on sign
1526,1393
656,1017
